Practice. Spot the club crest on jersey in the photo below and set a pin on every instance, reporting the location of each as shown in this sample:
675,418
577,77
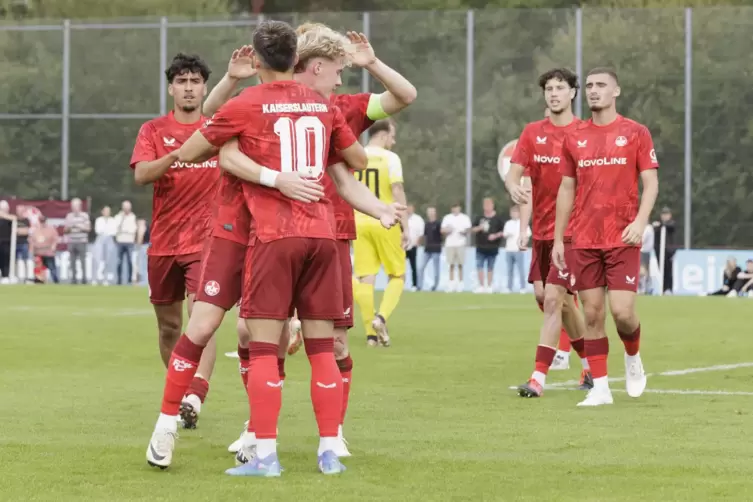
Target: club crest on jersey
212,288
540,140
620,141
582,144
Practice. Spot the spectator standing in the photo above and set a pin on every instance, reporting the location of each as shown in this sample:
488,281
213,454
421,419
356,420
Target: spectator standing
432,241
44,243
6,230
126,228
488,229
647,248
514,256
23,228
104,246
415,232
455,228
142,244
666,221
77,227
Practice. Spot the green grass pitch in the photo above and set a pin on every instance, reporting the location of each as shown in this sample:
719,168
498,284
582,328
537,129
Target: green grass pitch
431,419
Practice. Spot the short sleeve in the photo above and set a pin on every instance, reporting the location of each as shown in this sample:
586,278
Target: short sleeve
228,122
144,151
395,167
522,153
567,167
646,155
342,136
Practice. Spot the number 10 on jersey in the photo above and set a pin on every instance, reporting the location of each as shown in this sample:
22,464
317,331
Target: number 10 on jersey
301,145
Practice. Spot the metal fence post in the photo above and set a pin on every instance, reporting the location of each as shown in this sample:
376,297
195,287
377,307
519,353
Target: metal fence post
66,110
469,114
688,124
579,58
365,76
162,66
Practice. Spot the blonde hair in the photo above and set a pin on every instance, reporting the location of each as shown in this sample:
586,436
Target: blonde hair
316,40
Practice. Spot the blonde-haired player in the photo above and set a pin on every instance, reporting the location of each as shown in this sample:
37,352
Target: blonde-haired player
378,247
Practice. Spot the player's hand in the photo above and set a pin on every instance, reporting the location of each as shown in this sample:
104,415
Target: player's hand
292,186
392,215
633,233
361,53
523,242
405,240
520,194
558,255
241,65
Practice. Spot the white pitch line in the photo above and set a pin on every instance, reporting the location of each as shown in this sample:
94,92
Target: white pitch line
677,391
688,371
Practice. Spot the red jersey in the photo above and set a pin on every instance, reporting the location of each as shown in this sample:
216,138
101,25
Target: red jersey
606,162
284,126
231,219
539,150
181,204
354,107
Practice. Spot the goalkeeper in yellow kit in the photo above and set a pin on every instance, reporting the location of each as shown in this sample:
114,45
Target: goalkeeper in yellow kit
375,245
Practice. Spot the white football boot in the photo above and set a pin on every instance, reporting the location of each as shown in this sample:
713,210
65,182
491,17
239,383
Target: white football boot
635,377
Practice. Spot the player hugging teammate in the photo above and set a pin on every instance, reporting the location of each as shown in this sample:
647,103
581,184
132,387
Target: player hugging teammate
290,233
599,220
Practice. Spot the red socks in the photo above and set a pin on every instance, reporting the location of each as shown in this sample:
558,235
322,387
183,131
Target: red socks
579,346
243,367
632,341
181,369
596,353
544,358
326,385
564,344
264,389
346,370
281,367
199,387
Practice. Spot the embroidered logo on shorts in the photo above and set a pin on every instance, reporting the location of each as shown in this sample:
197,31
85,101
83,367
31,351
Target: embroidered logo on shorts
212,288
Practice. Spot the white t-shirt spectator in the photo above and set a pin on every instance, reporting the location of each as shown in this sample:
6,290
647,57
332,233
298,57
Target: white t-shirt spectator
125,228
416,228
105,226
511,233
458,226
648,239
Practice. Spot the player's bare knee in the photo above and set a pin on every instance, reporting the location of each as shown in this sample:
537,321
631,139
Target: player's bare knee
593,314
538,292
169,329
341,343
311,328
552,303
243,334
623,315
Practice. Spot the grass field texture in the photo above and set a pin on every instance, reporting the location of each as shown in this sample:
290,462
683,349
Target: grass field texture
431,419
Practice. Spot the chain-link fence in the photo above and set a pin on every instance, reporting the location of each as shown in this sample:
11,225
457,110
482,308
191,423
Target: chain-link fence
74,96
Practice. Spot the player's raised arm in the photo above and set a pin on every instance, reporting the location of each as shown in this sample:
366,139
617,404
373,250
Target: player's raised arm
400,92
227,123
147,168
290,185
239,68
360,197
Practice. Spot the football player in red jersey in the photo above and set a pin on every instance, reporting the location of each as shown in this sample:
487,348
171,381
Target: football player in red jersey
538,156
181,209
602,160
360,110
292,262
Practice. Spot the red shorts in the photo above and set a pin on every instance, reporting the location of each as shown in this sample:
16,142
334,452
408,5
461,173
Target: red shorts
543,267
171,278
615,269
221,273
292,273
346,274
